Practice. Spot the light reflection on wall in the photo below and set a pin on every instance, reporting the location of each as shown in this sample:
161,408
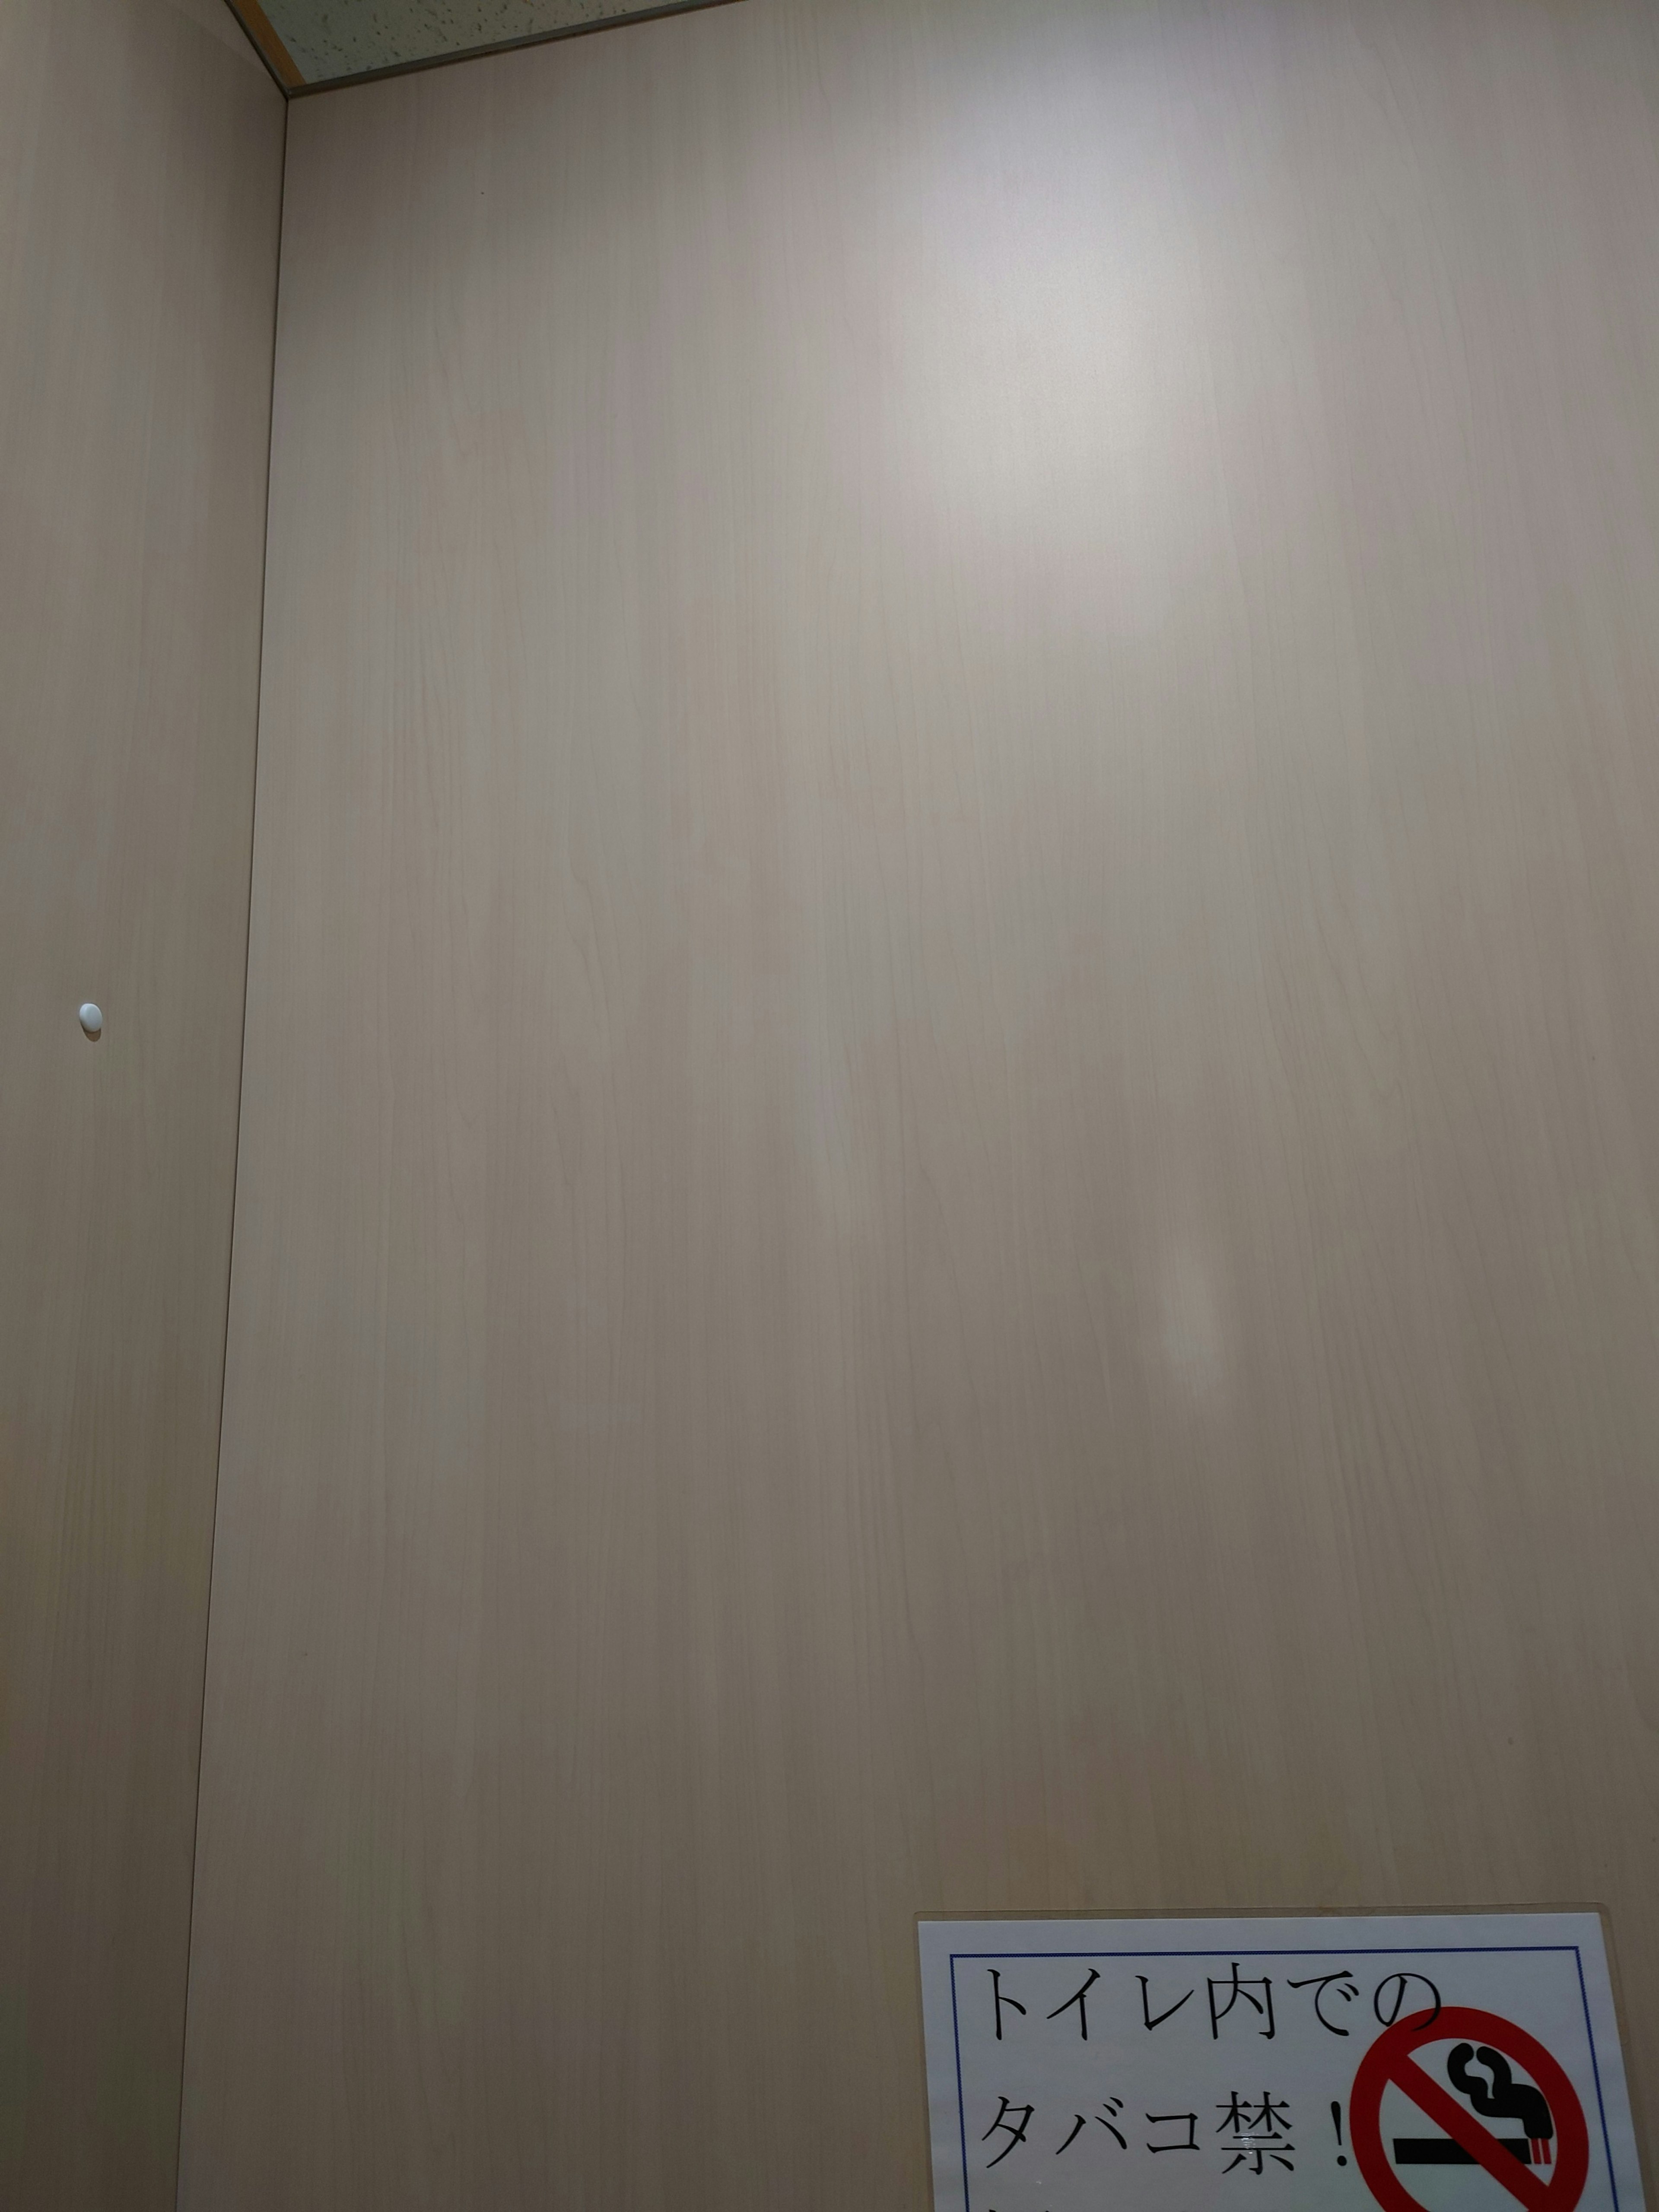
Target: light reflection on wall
1045,329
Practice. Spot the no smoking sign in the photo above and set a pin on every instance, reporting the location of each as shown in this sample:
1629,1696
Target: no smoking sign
1543,2161
1357,2062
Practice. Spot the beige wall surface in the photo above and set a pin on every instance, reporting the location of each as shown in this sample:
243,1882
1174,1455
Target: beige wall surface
950,1188
140,184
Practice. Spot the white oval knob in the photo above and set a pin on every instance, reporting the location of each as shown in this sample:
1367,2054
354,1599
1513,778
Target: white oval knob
92,1020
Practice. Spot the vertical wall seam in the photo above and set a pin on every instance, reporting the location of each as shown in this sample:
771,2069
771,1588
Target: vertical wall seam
236,1167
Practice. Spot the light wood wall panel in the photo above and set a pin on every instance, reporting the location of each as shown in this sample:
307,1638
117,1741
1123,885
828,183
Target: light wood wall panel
950,1167
140,184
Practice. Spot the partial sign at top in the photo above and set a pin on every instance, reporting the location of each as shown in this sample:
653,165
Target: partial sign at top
1443,2063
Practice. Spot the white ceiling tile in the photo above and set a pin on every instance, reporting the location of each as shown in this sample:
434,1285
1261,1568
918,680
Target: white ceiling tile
339,37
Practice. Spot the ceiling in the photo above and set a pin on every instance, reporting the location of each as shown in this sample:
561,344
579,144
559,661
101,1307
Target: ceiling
315,42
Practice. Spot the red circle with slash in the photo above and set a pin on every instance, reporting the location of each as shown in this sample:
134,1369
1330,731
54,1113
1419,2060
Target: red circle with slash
1390,2059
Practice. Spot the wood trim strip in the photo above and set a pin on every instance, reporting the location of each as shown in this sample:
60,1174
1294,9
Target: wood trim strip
274,54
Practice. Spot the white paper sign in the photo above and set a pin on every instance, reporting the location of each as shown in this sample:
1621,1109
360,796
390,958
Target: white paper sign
1436,2063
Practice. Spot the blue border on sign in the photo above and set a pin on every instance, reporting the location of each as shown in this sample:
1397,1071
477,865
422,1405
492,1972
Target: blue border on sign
1294,1950
1595,2068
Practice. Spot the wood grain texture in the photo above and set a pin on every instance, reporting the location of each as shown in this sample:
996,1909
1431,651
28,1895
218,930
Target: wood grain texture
949,1172
140,183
